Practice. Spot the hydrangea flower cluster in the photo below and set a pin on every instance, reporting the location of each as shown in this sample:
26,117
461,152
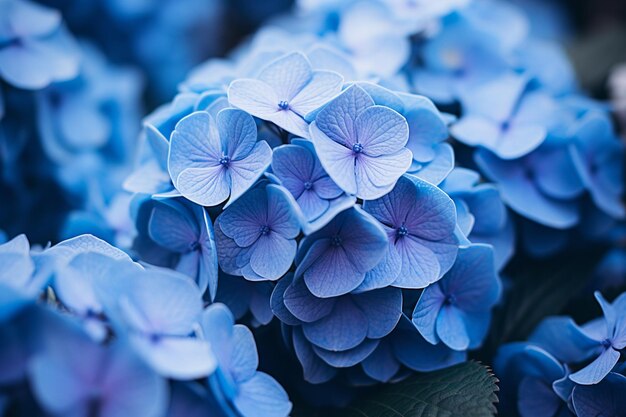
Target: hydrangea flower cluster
347,188
321,198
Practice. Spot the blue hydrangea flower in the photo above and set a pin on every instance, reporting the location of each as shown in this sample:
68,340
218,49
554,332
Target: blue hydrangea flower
599,159
528,374
481,214
457,309
419,220
337,332
35,48
335,259
157,311
285,92
433,159
210,161
298,169
603,399
361,145
186,229
543,186
236,383
601,339
256,235
502,117
72,375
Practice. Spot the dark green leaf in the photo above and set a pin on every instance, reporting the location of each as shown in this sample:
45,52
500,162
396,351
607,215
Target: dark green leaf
465,390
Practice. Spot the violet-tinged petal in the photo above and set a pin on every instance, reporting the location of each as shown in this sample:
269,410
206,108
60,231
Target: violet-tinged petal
304,305
316,371
347,358
382,308
343,329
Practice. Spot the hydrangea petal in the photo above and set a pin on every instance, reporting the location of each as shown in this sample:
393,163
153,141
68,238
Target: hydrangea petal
451,328
374,173
347,358
337,120
262,396
245,172
336,159
382,308
316,371
381,130
255,97
237,131
343,329
195,143
323,86
303,305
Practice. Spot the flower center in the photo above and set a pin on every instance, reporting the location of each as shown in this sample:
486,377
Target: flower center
357,148
402,231
264,229
606,343
225,160
194,246
308,185
336,241
283,105
450,299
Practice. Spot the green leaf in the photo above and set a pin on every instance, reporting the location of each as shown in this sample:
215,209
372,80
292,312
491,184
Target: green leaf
465,390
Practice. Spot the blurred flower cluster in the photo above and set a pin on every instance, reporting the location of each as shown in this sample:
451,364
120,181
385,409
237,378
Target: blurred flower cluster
351,185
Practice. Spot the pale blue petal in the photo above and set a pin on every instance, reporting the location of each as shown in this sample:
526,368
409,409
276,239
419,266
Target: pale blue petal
336,159
287,75
262,396
207,186
337,119
255,97
598,369
381,130
245,172
451,328
272,255
374,173
177,358
323,86
426,312
237,132
244,358
195,143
